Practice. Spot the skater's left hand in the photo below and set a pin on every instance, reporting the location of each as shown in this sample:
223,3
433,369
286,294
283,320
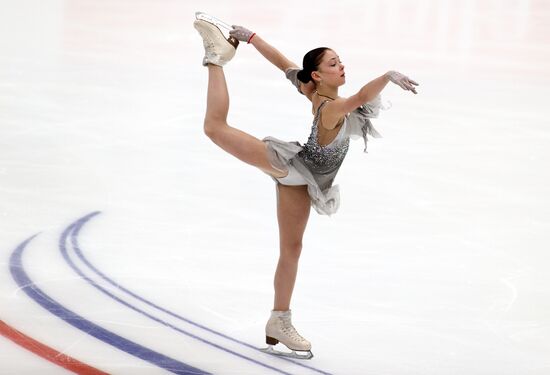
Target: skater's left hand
241,33
401,80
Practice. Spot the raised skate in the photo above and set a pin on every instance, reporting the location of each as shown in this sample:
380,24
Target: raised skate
218,49
279,328
214,21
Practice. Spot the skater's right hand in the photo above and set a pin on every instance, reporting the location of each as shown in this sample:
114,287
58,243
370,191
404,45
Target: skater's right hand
241,33
401,80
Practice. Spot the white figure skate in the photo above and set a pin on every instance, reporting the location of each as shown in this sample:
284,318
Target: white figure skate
218,49
279,328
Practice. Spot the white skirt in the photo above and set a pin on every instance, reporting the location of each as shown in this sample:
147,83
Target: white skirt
283,156
293,178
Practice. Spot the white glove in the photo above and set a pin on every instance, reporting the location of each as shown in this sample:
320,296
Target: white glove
241,33
401,80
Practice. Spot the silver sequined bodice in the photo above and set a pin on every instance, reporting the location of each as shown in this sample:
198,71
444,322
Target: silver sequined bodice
324,159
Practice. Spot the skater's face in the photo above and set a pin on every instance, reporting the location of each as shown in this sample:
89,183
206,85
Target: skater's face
330,71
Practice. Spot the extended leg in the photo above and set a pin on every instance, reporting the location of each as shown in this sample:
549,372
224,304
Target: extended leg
242,145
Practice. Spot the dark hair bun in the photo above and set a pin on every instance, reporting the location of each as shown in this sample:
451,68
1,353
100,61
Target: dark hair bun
311,62
304,76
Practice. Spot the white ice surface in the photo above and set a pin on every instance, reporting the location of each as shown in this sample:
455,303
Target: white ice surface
436,263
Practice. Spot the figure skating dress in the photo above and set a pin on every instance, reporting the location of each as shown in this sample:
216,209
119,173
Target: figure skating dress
315,165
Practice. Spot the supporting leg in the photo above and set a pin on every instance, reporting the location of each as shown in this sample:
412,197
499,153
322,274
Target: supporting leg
293,208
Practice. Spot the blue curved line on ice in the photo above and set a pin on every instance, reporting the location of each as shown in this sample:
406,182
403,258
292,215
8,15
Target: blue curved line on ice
74,230
74,237
29,287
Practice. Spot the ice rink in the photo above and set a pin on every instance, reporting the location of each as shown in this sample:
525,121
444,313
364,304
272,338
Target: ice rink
131,244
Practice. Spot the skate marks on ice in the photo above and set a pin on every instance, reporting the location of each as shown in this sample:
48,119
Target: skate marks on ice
35,293
70,249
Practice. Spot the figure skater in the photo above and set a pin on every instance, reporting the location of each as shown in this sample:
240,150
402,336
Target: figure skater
303,173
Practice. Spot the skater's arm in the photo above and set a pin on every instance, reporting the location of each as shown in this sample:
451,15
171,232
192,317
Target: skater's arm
306,89
268,51
281,62
272,54
342,106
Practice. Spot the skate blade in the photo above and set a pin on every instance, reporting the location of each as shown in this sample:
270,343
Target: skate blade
307,354
213,20
222,26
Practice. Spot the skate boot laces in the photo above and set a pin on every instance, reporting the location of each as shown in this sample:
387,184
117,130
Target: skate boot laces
218,50
207,42
290,331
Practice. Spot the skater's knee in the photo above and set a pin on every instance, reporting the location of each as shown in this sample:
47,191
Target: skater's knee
291,252
210,132
212,126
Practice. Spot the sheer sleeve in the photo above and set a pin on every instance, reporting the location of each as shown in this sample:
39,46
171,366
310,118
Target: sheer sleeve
359,124
292,75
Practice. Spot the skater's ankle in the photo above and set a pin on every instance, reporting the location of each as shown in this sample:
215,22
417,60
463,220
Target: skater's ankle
281,309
